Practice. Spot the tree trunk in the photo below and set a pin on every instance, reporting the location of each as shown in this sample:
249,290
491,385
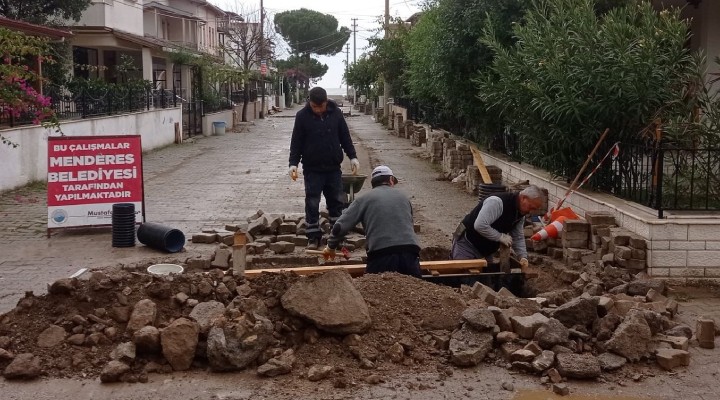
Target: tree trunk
246,99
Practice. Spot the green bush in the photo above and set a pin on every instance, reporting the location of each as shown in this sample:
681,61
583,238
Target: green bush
573,73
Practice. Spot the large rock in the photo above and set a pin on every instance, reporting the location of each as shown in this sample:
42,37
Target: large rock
51,336
579,366
632,339
206,312
527,326
233,345
24,366
468,347
552,333
178,343
330,301
481,319
143,313
578,311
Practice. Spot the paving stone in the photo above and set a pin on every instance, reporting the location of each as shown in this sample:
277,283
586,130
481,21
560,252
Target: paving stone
672,358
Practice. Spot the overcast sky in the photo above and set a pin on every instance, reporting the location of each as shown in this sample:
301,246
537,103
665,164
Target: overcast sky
366,11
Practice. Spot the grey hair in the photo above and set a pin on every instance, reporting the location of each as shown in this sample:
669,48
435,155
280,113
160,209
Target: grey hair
533,192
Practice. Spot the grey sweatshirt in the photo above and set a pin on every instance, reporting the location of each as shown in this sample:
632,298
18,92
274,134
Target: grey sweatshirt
491,210
385,213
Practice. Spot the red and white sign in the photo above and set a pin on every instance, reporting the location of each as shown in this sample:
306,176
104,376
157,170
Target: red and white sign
88,174
263,68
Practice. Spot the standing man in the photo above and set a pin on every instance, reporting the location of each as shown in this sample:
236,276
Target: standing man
497,220
318,139
386,215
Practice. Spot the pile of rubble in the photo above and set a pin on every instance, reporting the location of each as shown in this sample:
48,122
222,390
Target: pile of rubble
269,239
123,325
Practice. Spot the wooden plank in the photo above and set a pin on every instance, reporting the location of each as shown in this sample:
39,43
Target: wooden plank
480,164
359,269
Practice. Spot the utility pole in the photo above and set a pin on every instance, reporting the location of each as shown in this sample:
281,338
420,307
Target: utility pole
354,40
262,54
354,54
347,65
386,86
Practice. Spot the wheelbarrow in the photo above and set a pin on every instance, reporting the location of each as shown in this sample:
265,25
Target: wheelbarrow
352,184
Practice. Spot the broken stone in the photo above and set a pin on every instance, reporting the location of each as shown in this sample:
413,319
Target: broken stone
551,333
579,366
282,247
527,326
611,362
676,342
679,330
6,355
205,313
554,375
232,346
280,365
522,355
319,372
143,313
642,287
632,338
178,343
396,352
124,352
330,301
484,293
147,339
501,319
221,259
204,238
506,337
671,358
560,389
544,361
113,371
578,310
23,366
51,336
479,318
63,286
468,347
705,332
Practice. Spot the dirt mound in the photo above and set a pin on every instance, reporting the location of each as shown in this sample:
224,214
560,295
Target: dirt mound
94,312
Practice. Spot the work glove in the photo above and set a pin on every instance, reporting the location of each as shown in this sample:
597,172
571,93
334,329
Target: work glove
328,253
524,262
354,165
293,172
505,239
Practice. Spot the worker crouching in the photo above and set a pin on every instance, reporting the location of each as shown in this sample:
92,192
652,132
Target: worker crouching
387,217
495,221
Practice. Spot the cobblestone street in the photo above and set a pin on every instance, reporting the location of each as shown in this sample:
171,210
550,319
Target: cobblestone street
217,180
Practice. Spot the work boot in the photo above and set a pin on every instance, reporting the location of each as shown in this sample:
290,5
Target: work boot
313,244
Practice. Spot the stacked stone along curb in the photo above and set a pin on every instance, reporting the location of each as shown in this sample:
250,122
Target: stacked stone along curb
597,239
270,238
418,135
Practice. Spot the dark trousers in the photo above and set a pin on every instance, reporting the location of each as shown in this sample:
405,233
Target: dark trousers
407,263
328,184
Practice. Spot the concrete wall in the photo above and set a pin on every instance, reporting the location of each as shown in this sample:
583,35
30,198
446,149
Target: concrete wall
28,162
123,15
678,247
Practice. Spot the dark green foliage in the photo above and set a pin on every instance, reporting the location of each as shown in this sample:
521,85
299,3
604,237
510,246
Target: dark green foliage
43,11
311,32
572,74
445,55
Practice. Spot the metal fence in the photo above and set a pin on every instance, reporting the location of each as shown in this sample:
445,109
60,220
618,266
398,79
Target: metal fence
412,107
660,175
93,103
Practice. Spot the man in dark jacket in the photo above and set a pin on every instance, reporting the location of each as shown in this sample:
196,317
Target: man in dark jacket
319,137
497,220
386,215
